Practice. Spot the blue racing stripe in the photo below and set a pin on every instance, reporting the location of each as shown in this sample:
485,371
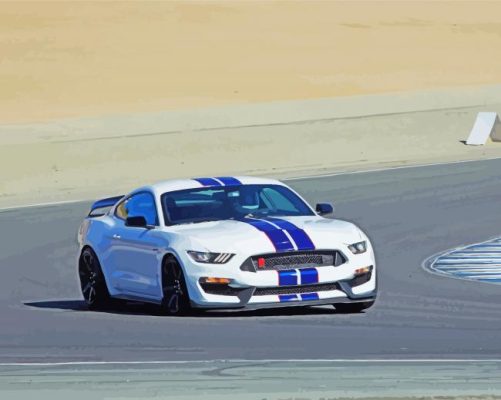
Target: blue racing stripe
308,275
287,278
207,181
229,180
303,241
309,296
287,297
278,238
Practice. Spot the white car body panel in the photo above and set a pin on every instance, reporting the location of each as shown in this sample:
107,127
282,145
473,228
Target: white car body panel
131,257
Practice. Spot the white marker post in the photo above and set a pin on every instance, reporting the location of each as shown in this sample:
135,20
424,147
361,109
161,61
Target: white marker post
486,124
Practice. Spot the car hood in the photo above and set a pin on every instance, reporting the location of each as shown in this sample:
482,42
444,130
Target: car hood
241,237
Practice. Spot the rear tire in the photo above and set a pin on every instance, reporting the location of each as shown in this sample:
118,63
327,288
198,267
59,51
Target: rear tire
353,308
176,300
92,283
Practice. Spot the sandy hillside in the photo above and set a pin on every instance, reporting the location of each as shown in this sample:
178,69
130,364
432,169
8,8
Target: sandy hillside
90,58
97,98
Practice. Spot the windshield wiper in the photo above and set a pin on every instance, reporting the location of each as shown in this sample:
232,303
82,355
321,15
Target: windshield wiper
203,220
257,215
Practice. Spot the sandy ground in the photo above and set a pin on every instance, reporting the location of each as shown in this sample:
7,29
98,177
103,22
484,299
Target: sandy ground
100,97
89,158
65,59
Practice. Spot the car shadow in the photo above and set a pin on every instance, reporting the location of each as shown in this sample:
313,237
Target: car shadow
135,308
127,308
75,305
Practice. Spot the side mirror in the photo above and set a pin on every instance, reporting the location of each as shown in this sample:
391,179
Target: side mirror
137,222
324,208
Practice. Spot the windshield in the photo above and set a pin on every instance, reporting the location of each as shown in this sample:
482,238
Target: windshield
231,202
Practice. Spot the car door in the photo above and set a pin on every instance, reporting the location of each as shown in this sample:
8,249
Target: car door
135,251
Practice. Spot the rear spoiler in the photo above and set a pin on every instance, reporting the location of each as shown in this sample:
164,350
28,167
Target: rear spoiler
103,203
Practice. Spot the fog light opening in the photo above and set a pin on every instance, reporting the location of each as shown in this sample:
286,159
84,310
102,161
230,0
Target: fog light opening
363,270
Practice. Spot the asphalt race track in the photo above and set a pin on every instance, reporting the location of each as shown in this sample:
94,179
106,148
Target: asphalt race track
410,214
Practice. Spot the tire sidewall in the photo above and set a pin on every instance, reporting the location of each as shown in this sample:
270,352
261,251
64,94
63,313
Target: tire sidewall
185,305
102,299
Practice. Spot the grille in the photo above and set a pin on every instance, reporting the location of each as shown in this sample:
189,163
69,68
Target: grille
322,287
304,259
294,260
226,290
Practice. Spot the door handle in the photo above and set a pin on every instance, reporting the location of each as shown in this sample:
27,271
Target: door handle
115,236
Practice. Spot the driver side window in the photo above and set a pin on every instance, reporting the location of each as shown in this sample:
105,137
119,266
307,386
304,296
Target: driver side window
140,204
278,201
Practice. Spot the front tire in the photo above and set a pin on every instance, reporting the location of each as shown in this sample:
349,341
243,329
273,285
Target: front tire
353,308
176,300
92,283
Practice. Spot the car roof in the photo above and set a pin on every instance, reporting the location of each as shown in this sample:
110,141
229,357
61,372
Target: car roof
181,184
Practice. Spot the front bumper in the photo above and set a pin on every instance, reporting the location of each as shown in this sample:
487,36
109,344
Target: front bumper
297,287
269,302
302,303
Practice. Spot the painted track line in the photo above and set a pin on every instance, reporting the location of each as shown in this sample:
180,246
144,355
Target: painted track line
391,168
366,171
460,264
48,204
244,361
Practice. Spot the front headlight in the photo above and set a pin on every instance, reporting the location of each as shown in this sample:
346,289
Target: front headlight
358,248
210,258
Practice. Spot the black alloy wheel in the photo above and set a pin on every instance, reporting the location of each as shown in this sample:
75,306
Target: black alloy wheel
176,300
92,281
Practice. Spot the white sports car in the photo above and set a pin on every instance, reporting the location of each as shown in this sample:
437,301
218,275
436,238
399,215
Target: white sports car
222,243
